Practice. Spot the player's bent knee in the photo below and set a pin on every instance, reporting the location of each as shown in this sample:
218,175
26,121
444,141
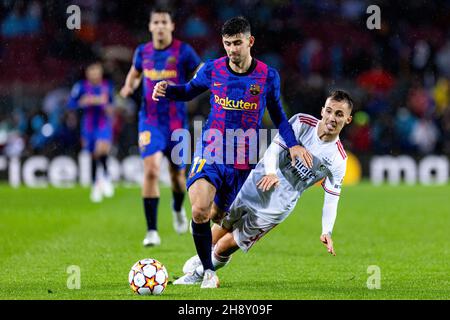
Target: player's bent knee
200,214
151,174
102,148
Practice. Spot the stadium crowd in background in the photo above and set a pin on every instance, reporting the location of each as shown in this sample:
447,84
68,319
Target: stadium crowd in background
399,75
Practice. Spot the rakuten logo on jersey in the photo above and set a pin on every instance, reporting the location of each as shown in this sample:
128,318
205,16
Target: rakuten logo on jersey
229,104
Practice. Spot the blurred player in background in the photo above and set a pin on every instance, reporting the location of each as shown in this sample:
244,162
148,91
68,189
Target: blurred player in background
95,97
163,58
241,87
273,188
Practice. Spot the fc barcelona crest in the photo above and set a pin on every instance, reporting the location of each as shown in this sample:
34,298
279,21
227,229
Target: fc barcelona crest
171,60
255,89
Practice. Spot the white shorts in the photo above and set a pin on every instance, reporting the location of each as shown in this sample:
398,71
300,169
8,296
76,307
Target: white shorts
247,227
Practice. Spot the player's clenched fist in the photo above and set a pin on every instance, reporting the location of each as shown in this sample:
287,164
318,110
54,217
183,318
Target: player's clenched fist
268,181
126,91
159,90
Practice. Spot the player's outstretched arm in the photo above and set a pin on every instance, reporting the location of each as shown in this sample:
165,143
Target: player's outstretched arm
329,213
185,92
131,82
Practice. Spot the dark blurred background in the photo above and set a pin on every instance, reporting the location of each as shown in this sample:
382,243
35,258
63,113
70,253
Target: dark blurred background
398,75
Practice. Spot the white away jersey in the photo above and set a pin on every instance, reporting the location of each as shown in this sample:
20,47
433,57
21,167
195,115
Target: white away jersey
329,162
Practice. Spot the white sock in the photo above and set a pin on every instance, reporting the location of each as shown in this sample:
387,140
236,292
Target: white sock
217,260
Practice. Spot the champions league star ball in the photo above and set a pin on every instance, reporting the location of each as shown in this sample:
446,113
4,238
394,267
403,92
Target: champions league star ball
148,276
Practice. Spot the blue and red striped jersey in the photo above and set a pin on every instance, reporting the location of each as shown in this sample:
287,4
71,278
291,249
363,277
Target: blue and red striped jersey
174,63
93,100
238,101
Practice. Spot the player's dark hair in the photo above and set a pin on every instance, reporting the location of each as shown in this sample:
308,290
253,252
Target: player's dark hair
92,61
341,95
235,26
162,9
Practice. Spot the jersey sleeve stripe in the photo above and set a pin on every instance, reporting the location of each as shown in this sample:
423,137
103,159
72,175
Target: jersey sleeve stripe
341,149
308,121
328,190
307,116
281,145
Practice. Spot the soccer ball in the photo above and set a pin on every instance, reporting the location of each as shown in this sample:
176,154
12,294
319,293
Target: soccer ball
148,276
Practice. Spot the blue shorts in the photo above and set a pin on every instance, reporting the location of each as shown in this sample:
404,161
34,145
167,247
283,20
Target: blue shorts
153,139
90,138
225,178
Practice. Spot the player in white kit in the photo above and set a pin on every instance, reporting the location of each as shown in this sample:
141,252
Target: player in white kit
273,188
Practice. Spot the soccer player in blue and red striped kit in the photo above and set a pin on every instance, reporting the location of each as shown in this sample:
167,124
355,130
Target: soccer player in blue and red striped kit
241,87
163,58
95,97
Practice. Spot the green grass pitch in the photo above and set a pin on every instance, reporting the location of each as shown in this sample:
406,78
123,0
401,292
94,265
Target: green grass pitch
402,230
